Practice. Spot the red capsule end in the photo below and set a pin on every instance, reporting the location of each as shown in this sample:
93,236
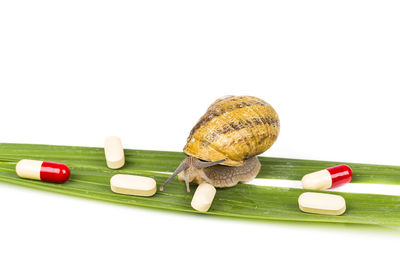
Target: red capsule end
54,172
340,174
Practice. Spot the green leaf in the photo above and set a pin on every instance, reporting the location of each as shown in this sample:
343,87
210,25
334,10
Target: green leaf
90,179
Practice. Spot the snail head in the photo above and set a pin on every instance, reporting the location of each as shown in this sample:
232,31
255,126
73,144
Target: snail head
189,166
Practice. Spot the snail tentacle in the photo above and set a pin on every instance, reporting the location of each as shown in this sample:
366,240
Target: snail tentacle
183,166
187,181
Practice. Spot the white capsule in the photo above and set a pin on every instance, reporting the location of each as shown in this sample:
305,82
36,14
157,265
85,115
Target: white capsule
317,180
320,203
29,169
114,152
133,185
203,197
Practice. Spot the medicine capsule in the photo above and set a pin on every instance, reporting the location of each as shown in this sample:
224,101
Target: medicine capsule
43,170
328,178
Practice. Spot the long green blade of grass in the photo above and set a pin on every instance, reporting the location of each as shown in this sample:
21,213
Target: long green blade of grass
90,179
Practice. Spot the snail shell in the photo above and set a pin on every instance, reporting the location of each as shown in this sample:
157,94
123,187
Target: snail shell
233,131
234,127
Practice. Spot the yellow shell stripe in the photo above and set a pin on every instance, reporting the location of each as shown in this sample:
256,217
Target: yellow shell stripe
240,128
197,146
224,105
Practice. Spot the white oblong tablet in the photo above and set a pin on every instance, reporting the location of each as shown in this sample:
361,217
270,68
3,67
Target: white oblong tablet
321,203
133,185
114,152
203,197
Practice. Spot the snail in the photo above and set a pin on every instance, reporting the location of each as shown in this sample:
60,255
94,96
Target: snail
222,147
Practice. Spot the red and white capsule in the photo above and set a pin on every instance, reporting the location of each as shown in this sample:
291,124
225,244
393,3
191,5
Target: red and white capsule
43,170
328,178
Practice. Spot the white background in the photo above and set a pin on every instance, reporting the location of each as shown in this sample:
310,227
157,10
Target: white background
74,72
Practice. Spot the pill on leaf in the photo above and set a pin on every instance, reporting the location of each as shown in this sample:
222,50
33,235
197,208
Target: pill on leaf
43,170
133,185
321,203
114,152
327,178
203,197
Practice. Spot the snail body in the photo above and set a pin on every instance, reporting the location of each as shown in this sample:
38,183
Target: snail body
222,147
221,176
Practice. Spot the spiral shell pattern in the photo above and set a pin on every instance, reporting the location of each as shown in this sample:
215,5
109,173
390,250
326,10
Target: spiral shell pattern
234,127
